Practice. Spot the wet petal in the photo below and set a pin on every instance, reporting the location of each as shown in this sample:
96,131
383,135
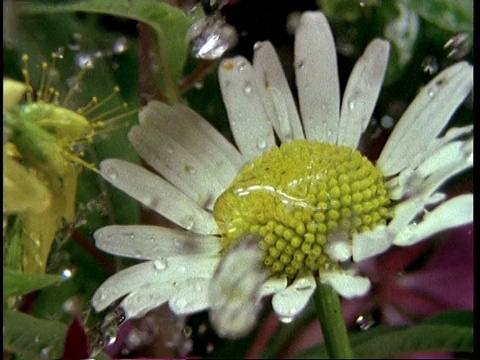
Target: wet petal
162,271
346,285
426,117
273,285
290,302
153,242
362,92
177,164
196,135
192,296
371,243
248,119
455,212
159,195
317,78
278,99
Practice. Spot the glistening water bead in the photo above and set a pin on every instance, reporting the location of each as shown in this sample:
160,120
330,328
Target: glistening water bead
302,197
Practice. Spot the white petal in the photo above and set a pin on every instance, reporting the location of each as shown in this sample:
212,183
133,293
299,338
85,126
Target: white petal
406,211
248,119
273,285
196,135
345,284
192,296
278,100
317,78
452,213
426,117
361,93
159,195
150,273
153,242
290,302
177,164
138,303
235,289
371,243
339,250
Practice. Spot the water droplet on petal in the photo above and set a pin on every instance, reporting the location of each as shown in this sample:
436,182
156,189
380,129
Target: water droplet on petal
111,173
187,331
241,65
189,223
159,265
387,122
365,322
261,143
300,64
169,148
286,319
257,45
59,53
303,285
248,89
351,105
67,274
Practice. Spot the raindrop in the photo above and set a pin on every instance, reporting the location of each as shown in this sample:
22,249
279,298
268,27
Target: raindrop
159,265
364,322
261,143
241,65
84,61
300,64
45,352
257,45
187,331
120,45
67,274
169,148
189,223
137,254
286,319
248,88
103,295
190,169
351,105
430,65
387,122
59,53
111,173
198,85
431,92
459,46
211,37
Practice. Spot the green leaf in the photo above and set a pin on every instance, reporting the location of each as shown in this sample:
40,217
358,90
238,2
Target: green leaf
33,338
170,25
441,334
16,283
456,318
452,15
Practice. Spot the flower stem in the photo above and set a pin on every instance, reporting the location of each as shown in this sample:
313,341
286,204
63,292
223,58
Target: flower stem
330,314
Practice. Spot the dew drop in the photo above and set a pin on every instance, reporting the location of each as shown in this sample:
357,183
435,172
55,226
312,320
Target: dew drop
430,65
37,339
189,223
182,269
111,173
210,37
258,45
248,88
84,61
387,122
137,254
198,84
46,352
59,53
302,285
459,46
300,64
351,105
120,45
365,322
169,148
261,143
187,331
159,265
286,319
103,295
190,169
67,274
241,65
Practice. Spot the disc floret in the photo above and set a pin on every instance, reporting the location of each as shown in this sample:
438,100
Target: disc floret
301,198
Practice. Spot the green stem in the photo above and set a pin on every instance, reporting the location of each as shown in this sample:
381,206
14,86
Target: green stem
329,311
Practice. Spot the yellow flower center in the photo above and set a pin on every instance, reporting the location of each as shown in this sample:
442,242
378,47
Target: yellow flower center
300,197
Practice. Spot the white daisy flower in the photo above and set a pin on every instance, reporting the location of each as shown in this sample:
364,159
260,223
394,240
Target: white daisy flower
260,219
